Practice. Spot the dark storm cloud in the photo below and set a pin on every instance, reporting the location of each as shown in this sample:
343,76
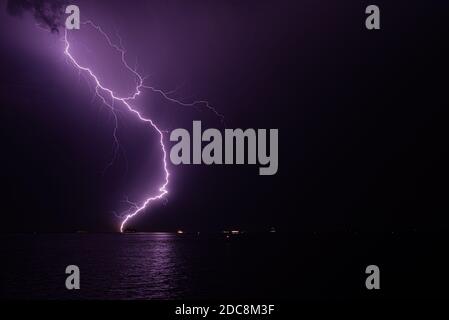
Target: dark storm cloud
48,13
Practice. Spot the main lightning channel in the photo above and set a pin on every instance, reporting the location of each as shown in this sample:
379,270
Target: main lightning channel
126,101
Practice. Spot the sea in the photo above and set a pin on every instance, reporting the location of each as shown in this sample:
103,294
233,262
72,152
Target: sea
171,266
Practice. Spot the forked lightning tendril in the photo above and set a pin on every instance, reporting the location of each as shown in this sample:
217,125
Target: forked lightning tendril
101,91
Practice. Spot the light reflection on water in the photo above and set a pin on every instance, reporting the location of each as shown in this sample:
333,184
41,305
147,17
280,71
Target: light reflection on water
132,266
142,266
150,267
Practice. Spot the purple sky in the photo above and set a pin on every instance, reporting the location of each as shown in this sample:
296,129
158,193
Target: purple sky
345,102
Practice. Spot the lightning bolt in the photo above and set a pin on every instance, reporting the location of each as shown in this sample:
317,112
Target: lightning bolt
103,92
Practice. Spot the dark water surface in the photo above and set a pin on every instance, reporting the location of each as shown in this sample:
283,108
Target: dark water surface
171,266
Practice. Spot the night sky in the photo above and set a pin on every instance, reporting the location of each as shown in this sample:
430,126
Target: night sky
362,116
